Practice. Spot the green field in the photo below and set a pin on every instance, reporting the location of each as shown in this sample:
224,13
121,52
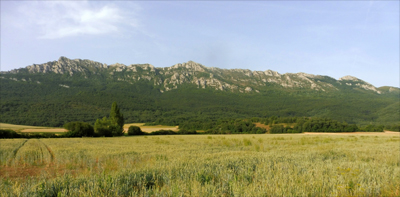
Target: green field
202,165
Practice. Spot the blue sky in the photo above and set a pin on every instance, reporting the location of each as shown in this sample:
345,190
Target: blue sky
334,38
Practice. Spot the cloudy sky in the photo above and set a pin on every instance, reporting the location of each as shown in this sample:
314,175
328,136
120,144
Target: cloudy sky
334,38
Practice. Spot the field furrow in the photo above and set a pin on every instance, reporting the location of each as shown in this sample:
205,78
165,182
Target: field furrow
9,149
14,153
49,150
32,153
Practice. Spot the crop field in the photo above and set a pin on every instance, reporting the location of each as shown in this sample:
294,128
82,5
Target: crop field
31,129
18,127
149,129
202,165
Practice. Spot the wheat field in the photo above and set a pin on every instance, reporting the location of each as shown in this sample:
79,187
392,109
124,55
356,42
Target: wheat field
202,165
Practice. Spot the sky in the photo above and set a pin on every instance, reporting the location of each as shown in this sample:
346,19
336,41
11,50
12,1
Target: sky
333,38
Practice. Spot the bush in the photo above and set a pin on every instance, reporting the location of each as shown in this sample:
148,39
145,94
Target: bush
163,132
6,133
277,129
393,128
373,128
184,131
79,129
135,130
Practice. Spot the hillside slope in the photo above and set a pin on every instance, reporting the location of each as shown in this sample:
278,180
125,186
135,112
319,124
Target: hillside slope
56,92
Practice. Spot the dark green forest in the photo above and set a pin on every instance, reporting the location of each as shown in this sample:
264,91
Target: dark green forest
49,104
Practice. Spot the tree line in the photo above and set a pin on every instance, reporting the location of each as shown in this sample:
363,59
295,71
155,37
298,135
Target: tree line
114,124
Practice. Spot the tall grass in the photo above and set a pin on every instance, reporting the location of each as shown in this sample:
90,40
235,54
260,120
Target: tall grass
229,165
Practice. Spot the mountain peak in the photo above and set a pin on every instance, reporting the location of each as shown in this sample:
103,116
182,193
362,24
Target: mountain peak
168,78
191,65
349,78
63,58
65,65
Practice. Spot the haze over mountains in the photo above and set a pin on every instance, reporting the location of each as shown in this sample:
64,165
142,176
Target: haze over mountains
149,93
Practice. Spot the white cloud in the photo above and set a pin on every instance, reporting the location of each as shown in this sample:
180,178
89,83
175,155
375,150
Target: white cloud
59,19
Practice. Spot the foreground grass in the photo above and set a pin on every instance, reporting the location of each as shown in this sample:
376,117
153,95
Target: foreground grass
202,165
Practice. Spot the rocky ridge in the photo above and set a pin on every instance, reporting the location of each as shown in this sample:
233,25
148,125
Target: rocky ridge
168,78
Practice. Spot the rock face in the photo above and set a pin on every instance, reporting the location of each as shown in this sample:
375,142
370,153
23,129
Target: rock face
65,65
169,78
353,81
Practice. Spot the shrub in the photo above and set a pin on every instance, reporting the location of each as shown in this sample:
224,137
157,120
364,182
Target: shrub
6,133
184,131
393,128
163,132
135,130
373,128
78,129
277,129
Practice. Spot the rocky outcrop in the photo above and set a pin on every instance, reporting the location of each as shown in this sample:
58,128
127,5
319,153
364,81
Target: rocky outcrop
65,65
353,81
349,78
169,78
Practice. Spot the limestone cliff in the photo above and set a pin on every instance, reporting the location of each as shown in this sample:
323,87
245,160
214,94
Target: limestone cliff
168,78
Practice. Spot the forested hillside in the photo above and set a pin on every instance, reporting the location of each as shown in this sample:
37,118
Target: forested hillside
66,90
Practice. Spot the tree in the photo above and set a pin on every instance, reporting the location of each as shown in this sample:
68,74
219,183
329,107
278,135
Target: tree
112,126
102,127
117,119
277,129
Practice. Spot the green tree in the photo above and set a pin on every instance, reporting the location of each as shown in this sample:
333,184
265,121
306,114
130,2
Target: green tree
103,127
112,126
117,119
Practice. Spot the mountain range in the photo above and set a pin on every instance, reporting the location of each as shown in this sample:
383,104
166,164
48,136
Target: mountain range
53,93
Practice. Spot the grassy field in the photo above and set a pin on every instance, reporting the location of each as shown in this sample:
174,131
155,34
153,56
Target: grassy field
19,127
31,129
202,165
149,129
